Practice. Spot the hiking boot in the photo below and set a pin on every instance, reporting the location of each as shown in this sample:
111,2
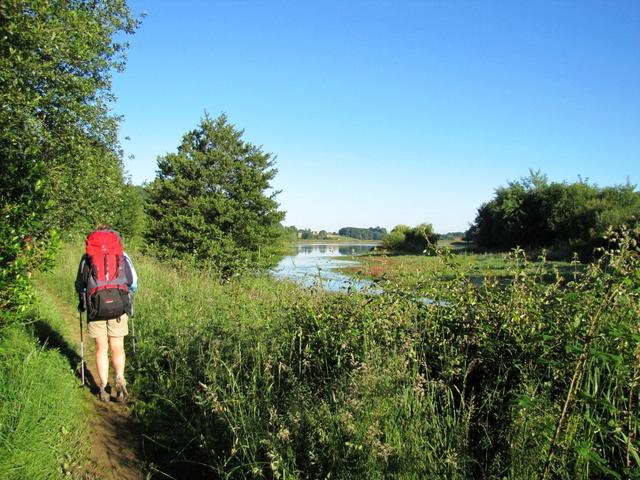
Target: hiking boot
103,395
121,389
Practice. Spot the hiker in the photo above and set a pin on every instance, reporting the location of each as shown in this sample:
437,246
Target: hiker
105,283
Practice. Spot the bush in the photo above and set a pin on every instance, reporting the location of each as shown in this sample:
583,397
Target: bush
394,241
419,239
565,217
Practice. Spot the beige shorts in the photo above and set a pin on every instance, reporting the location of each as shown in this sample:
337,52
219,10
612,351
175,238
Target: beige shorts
117,327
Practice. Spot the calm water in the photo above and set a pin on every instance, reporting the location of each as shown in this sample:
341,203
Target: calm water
316,264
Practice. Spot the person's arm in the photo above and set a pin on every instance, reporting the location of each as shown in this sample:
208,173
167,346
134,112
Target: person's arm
132,276
81,285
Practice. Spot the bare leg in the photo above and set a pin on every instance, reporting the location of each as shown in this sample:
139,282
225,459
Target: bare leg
118,356
102,360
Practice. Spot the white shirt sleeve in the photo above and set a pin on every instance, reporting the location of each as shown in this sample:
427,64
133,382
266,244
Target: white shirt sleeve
134,275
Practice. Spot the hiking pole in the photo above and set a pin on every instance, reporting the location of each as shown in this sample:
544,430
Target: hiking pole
81,349
133,326
133,335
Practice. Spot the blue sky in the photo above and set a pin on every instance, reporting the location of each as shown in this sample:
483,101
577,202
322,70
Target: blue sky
388,112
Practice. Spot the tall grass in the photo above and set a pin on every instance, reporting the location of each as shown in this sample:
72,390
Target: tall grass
43,427
42,431
253,378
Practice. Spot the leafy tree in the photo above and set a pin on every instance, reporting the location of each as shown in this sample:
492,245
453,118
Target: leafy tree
132,218
289,234
58,146
419,239
209,205
395,239
534,213
371,233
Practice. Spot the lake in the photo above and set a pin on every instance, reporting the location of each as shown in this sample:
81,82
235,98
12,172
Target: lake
316,264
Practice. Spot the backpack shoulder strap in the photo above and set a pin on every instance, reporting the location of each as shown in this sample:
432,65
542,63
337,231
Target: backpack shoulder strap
81,276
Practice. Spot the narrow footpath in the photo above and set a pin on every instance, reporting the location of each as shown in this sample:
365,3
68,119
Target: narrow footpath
114,435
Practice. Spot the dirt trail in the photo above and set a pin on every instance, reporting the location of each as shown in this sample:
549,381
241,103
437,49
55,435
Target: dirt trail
115,437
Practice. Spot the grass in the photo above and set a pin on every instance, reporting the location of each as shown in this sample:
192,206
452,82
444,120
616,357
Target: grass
43,433
253,378
411,269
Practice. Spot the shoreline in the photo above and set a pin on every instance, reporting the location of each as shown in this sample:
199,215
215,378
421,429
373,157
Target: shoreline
373,243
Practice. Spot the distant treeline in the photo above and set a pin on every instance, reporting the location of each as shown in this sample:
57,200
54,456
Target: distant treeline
371,233
307,234
451,235
532,213
565,217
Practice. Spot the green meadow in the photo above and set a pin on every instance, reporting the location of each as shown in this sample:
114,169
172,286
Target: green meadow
501,364
43,426
444,378
410,269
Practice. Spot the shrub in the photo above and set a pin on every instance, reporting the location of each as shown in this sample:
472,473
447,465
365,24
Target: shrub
567,217
419,239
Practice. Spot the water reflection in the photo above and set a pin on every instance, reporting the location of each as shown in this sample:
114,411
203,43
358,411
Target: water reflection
316,264
353,249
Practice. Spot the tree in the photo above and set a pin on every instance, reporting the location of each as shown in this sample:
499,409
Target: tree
533,213
395,239
419,239
57,134
209,205
371,233
287,234
132,219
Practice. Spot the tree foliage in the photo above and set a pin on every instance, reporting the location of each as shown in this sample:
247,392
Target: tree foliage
534,213
371,233
419,239
288,234
61,166
452,235
132,218
209,204
308,234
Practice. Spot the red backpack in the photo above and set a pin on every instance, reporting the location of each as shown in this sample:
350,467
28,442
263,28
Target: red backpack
106,276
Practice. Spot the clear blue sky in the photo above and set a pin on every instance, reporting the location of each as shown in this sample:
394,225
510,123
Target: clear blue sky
388,112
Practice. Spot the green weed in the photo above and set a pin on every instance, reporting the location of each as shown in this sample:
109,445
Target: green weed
445,377
42,431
